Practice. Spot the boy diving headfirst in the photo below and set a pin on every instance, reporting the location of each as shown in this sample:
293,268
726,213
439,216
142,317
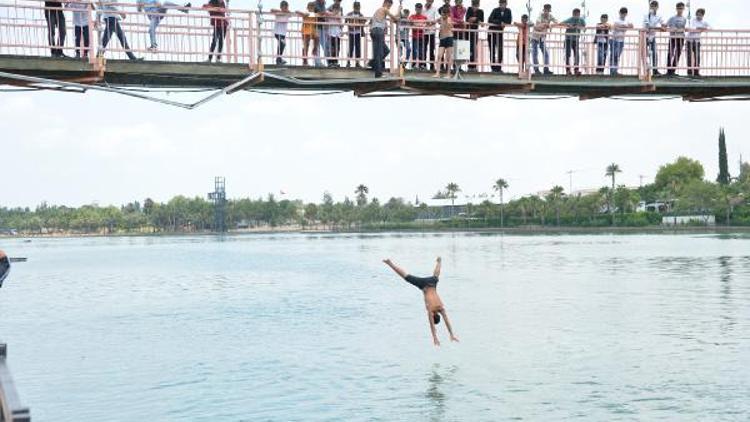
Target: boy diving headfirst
428,286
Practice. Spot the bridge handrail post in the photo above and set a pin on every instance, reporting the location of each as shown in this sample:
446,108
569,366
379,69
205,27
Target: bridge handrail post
93,42
644,73
395,47
251,39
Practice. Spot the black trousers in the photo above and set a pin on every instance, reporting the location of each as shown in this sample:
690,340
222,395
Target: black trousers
355,45
82,32
571,49
113,26
55,22
496,51
282,45
217,41
674,53
334,45
473,41
429,43
693,57
379,50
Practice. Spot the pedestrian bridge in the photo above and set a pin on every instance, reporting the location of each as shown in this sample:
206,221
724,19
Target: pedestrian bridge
250,59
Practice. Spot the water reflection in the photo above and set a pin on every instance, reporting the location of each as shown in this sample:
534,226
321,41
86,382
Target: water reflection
725,279
435,386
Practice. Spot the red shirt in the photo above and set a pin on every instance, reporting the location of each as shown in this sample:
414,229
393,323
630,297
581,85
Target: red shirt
457,14
417,27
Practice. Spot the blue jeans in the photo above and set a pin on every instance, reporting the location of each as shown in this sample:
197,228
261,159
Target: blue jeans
323,41
614,60
154,19
537,45
404,46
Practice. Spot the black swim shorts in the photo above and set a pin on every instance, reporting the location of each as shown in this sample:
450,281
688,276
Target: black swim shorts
446,42
422,282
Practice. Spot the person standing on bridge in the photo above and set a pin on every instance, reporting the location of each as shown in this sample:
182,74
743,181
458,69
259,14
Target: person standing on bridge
112,16
574,25
653,22
378,23
601,41
323,34
697,25
155,12
445,47
621,25
81,10
474,18
429,35
676,25
55,17
217,9
500,17
280,26
544,22
355,21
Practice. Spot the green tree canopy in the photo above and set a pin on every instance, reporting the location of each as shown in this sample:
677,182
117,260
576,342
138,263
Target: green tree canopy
680,173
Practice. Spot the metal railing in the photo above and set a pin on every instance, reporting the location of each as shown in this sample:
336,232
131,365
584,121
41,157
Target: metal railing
254,39
10,406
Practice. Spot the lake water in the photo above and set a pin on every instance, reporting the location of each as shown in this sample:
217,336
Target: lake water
315,327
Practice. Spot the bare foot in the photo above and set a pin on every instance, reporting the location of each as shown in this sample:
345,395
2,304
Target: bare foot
437,75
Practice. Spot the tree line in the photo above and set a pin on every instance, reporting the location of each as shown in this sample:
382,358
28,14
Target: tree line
679,187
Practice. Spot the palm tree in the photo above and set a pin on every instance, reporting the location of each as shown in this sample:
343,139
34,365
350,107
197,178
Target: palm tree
451,191
612,170
555,195
361,192
499,185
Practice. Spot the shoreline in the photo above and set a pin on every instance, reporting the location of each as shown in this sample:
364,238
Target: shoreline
529,230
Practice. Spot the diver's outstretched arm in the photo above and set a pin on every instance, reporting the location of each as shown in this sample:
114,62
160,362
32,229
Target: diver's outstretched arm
400,271
448,325
435,340
438,263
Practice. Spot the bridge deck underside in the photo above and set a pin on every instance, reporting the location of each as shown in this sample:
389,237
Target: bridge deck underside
153,74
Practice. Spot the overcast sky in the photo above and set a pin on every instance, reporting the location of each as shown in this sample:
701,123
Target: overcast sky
75,149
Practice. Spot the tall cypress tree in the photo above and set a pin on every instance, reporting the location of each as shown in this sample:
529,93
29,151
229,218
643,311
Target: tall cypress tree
724,177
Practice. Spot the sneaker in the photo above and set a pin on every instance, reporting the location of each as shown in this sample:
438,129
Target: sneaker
187,6
152,49
656,73
218,60
278,60
548,72
537,72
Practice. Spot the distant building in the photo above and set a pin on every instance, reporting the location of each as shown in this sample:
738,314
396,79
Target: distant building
439,209
660,207
683,220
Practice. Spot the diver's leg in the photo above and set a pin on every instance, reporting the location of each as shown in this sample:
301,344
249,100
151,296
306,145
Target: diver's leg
400,271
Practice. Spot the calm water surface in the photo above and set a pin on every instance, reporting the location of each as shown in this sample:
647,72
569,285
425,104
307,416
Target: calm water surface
295,327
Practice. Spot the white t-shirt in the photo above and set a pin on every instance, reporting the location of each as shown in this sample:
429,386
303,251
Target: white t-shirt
619,34
650,22
431,13
697,24
281,23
